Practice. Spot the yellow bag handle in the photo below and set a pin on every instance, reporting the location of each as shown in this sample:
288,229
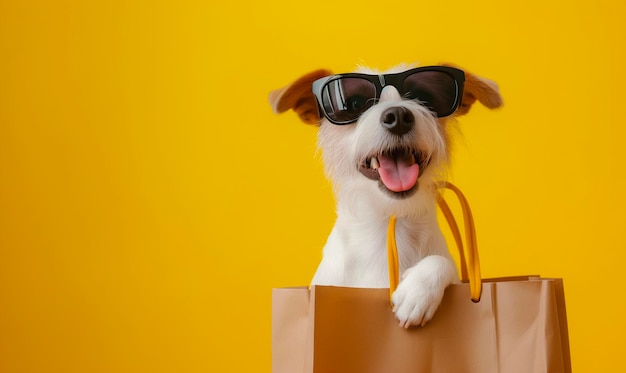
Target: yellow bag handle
392,256
470,264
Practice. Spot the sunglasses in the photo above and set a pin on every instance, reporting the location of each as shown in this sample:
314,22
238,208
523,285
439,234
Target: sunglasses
343,98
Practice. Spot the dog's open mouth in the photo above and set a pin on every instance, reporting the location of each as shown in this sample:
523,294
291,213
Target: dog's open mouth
397,170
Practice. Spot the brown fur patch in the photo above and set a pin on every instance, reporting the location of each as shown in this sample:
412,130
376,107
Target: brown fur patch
298,97
478,88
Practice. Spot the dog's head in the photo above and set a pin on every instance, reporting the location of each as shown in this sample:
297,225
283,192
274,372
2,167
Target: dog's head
384,136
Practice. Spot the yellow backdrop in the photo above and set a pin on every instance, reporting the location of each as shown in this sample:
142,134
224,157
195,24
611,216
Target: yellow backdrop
150,199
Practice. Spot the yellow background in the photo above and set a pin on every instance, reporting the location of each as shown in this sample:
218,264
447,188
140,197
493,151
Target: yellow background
150,199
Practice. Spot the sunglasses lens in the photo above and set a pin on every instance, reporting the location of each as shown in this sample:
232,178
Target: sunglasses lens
436,90
345,99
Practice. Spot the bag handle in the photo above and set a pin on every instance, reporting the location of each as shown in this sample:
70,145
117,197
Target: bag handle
470,264
470,269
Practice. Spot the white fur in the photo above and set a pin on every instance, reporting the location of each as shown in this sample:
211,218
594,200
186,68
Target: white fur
355,253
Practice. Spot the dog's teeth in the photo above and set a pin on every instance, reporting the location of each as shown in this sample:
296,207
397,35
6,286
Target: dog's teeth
374,164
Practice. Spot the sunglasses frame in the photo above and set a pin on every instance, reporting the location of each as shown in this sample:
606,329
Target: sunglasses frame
396,80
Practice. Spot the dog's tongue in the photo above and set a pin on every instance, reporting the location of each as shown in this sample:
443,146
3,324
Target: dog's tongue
398,174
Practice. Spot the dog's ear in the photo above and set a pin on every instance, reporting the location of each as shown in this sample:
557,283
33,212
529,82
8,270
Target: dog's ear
299,97
477,88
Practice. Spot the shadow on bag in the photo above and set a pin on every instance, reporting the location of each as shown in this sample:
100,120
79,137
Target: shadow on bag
519,324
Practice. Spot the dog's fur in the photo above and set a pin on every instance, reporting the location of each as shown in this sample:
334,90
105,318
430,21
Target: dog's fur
355,253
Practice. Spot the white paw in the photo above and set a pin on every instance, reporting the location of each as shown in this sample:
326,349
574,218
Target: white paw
419,294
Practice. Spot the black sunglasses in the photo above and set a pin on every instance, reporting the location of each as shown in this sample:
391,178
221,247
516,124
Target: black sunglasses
343,98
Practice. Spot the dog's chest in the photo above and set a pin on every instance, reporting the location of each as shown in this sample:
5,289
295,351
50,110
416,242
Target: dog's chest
360,251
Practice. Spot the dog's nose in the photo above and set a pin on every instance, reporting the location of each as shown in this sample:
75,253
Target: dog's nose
397,120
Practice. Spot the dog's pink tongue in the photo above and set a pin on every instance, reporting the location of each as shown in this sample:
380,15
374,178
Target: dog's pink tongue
398,174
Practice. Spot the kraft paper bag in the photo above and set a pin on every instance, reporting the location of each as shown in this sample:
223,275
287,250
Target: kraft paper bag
519,325
506,325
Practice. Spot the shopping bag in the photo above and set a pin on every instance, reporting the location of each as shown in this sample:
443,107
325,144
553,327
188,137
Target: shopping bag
519,325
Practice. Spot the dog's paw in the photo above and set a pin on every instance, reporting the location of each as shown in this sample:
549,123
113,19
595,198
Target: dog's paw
415,301
420,292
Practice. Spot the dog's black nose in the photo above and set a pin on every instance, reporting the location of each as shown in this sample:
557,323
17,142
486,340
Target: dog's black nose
397,120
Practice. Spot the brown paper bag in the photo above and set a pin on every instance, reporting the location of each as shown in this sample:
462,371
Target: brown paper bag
519,325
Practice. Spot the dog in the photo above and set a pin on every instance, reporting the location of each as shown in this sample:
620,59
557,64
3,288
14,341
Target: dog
385,140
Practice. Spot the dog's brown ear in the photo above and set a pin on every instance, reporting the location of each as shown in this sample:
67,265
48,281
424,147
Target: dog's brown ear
477,88
299,97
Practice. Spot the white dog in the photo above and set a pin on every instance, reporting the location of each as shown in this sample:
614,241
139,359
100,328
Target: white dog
385,142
